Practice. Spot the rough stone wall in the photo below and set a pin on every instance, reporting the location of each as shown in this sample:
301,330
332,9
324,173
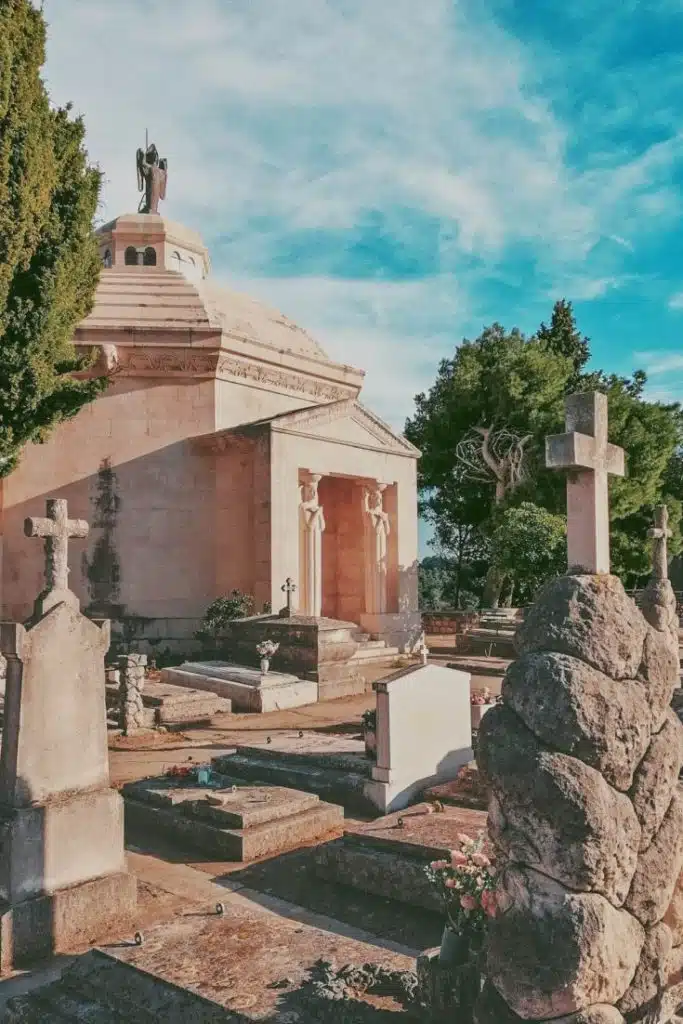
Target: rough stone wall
131,684
586,814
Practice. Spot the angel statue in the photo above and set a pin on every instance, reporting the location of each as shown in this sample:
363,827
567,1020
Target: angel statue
152,174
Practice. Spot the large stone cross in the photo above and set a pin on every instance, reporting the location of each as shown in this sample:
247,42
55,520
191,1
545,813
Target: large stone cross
659,534
288,588
56,529
585,451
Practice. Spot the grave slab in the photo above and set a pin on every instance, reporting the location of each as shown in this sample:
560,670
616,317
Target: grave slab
387,857
246,688
173,706
332,766
230,819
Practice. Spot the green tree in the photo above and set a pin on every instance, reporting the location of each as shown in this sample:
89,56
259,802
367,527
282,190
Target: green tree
529,546
514,388
563,337
49,263
481,430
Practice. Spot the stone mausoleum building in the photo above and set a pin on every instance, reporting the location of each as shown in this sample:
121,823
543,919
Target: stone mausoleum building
228,452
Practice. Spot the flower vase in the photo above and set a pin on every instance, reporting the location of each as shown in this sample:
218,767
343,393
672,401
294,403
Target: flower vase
265,666
454,948
370,737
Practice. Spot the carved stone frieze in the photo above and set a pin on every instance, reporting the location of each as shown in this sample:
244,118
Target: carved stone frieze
286,380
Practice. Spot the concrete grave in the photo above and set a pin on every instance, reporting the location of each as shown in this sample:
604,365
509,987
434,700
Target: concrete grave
246,688
228,818
166,705
424,733
62,867
387,857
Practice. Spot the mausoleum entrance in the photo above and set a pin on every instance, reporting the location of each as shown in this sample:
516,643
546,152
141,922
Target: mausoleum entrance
348,552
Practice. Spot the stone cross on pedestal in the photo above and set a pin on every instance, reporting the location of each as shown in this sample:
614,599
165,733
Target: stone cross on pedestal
56,529
585,451
660,533
288,588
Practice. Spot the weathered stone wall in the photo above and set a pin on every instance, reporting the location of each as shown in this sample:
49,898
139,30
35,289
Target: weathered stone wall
586,814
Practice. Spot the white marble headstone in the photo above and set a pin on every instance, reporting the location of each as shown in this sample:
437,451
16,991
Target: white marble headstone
424,733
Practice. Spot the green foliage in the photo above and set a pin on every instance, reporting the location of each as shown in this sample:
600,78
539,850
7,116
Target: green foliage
529,545
222,611
49,262
503,380
563,338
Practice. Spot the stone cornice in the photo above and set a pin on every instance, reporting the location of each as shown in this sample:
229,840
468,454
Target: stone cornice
184,362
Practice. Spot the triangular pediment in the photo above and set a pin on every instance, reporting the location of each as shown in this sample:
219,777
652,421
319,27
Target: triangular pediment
346,422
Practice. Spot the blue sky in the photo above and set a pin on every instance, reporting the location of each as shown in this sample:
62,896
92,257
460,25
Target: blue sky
395,174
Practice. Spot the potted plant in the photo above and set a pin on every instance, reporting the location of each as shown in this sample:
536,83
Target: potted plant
369,720
481,701
467,885
266,649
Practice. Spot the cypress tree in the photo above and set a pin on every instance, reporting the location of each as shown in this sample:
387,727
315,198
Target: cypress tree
49,261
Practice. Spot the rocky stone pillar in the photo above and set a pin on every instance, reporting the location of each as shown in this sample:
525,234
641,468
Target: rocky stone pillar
131,685
586,815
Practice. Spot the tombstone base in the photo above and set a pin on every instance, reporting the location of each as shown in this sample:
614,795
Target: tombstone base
67,919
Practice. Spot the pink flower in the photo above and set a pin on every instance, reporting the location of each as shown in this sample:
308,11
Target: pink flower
457,858
481,860
468,902
450,883
438,865
488,902
463,839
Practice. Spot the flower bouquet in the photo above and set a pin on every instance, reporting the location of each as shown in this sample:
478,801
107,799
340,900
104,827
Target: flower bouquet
467,885
266,649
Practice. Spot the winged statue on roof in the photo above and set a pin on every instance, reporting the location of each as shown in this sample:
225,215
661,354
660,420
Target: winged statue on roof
152,176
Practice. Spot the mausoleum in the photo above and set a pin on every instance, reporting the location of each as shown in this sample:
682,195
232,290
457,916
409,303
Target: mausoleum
228,452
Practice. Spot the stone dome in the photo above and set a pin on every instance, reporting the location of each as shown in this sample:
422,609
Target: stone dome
145,286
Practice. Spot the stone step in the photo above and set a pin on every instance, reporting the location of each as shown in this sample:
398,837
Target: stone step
171,706
334,785
375,653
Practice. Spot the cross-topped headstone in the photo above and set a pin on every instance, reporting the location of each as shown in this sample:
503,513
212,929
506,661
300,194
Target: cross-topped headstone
56,529
586,453
659,534
289,588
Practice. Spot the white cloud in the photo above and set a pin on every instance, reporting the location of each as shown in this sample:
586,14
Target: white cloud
303,115
381,327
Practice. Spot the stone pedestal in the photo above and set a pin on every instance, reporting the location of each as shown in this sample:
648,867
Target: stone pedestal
62,866
315,649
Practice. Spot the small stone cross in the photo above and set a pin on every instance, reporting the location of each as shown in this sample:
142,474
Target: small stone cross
289,588
660,533
57,528
585,451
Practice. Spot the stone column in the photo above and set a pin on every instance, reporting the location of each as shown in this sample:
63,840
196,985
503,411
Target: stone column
377,533
313,527
131,684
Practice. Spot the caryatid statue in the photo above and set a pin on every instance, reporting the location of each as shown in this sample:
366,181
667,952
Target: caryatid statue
152,175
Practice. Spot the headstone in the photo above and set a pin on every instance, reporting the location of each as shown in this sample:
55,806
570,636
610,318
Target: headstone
424,733
62,869
586,814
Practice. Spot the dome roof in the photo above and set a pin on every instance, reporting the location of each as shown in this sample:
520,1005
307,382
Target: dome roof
151,298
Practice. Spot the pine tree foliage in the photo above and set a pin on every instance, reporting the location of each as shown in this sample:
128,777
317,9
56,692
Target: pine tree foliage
49,262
